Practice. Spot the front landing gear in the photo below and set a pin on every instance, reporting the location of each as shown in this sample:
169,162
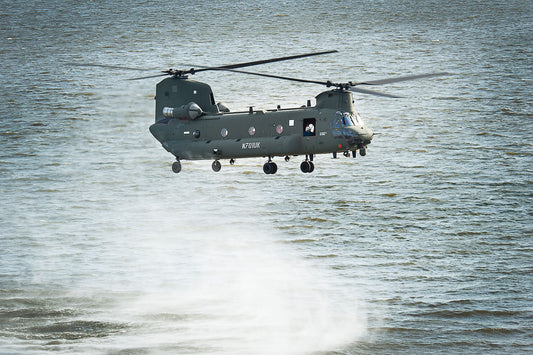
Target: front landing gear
270,167
307,166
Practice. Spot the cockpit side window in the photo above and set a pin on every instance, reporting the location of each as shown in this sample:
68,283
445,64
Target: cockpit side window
336,122
357,120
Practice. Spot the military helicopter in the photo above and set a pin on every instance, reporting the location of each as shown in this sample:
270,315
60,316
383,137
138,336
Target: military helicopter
191,125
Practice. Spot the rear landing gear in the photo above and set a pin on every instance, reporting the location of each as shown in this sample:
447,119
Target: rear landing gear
216,166
176,166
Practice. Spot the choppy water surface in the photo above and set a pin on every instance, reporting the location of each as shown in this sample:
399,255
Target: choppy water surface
422,246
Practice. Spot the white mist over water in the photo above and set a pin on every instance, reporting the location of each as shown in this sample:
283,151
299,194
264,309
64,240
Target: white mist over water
234,290
149,273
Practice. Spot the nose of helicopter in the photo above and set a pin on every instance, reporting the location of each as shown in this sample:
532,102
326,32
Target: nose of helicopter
366,137
358,136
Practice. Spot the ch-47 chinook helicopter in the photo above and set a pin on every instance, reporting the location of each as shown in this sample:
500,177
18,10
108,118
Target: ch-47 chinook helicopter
192,126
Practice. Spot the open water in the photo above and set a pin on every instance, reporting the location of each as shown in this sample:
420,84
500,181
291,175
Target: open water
422,246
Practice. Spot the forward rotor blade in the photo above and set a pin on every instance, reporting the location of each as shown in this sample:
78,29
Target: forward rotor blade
276,76
399,79
371,92
258,62
106,66
149,76
326,83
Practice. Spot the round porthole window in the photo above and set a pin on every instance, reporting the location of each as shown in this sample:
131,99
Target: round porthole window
224,132
279,129
251,130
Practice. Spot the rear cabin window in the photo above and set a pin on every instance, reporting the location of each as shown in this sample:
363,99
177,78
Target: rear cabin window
309,127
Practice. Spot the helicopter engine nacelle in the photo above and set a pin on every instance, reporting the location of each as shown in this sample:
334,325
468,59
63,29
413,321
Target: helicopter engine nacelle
191,111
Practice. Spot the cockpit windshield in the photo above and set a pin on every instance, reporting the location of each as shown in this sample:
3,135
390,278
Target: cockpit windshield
351,119
347,120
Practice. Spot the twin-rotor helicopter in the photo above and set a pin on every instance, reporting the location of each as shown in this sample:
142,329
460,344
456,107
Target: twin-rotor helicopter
191,125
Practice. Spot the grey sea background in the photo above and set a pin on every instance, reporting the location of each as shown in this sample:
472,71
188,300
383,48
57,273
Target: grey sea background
423,246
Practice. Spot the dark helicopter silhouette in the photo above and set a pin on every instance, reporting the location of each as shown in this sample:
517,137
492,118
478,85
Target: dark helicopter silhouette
192,126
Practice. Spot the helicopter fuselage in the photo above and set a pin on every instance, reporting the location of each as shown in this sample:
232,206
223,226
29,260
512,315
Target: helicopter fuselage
192,127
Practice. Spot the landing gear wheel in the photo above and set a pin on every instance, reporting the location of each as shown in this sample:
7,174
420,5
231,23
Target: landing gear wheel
216,166
176,167
362,152
270,168
305,167
232,161
312,165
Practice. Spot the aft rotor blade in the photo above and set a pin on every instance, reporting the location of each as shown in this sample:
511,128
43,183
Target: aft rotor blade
399,79
371,92
265,61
